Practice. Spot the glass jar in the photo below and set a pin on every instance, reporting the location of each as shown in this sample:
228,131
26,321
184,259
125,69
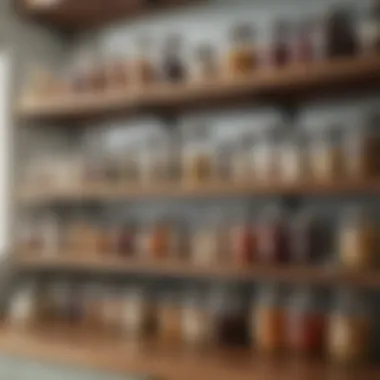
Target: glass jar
144,70
92,306
180,240
197,158
242,57
22,307
274,241
305,323
358,239
282,35
206,66
240,160
137,313
326,154
221,165
268,321
362,150
196,321
230,318
305,49
129,167
127,239
147,164
349,329
170,318
209,245
159,239
112,310
311,238
369,31
50,228
174,69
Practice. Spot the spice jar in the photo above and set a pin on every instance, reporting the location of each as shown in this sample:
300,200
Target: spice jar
180,240
282,52
369,31
221,164
22,305
326,154
358,239
144,70
268,321
230,317
341,37
112,310
137,313
240,160
197,159
206,66
51,234
174,70
305,323
209,245
147,164
159,239
92,306
310,238
116,74
196,321
362,150
305,49
274,242
127,240
242,56
170,318
349,329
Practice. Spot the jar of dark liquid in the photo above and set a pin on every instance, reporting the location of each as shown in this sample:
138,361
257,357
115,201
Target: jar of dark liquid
274,237
305,323
282,53
173,66
231,318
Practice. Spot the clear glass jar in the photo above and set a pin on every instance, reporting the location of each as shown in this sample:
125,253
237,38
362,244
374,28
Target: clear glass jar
22,309
144,70
222,161
242,58
196,320
305,323
358,239
180,240
147,162
362,150
268,320
349,329
112,310
240,162
326,154
206,65
231,327
92,306
170,318
274,239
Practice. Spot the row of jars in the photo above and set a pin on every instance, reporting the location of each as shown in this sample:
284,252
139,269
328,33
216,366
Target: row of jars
273,154
270,236
336,33
272,323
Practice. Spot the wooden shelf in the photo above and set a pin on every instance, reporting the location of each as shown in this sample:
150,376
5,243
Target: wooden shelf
74,15
293,274
214,189
293,83
71,347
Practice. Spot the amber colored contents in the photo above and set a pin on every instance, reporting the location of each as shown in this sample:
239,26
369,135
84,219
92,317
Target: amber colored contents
306,332
144,72
159,241
348,338
269,328
244,244
170,323
200,167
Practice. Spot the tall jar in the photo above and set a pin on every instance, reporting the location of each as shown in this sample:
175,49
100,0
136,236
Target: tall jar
349,329
305,323
274,241
326,154
358,239
362,150
268,320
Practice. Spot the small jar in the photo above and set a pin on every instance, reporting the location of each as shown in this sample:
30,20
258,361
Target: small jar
92,307
274,240
159,240
112,310
268,321
362,151
206,66
170,318
180,241
196,321
22,309
305,323
116,73
51,235
144,70
138,313
326,154
282,36
349,330
231,327
174,70
240,160
127,240
358,239
222,161
146,160
242,57
305,49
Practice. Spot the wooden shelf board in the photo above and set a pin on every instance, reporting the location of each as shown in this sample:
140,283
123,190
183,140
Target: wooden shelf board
287,84
98,192
110,264
87,349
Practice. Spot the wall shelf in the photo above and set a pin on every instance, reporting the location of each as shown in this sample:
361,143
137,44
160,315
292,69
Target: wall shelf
214,189
74,15
292,83
110,264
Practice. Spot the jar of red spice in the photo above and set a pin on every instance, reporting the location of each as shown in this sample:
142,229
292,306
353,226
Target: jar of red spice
305,323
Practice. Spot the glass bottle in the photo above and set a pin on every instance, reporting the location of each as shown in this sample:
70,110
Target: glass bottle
349,329
268,320
231,327
173,66
170,318
282,54
305,323
206,65
242,56
326,154
358,239
144,70
274,241
362,150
